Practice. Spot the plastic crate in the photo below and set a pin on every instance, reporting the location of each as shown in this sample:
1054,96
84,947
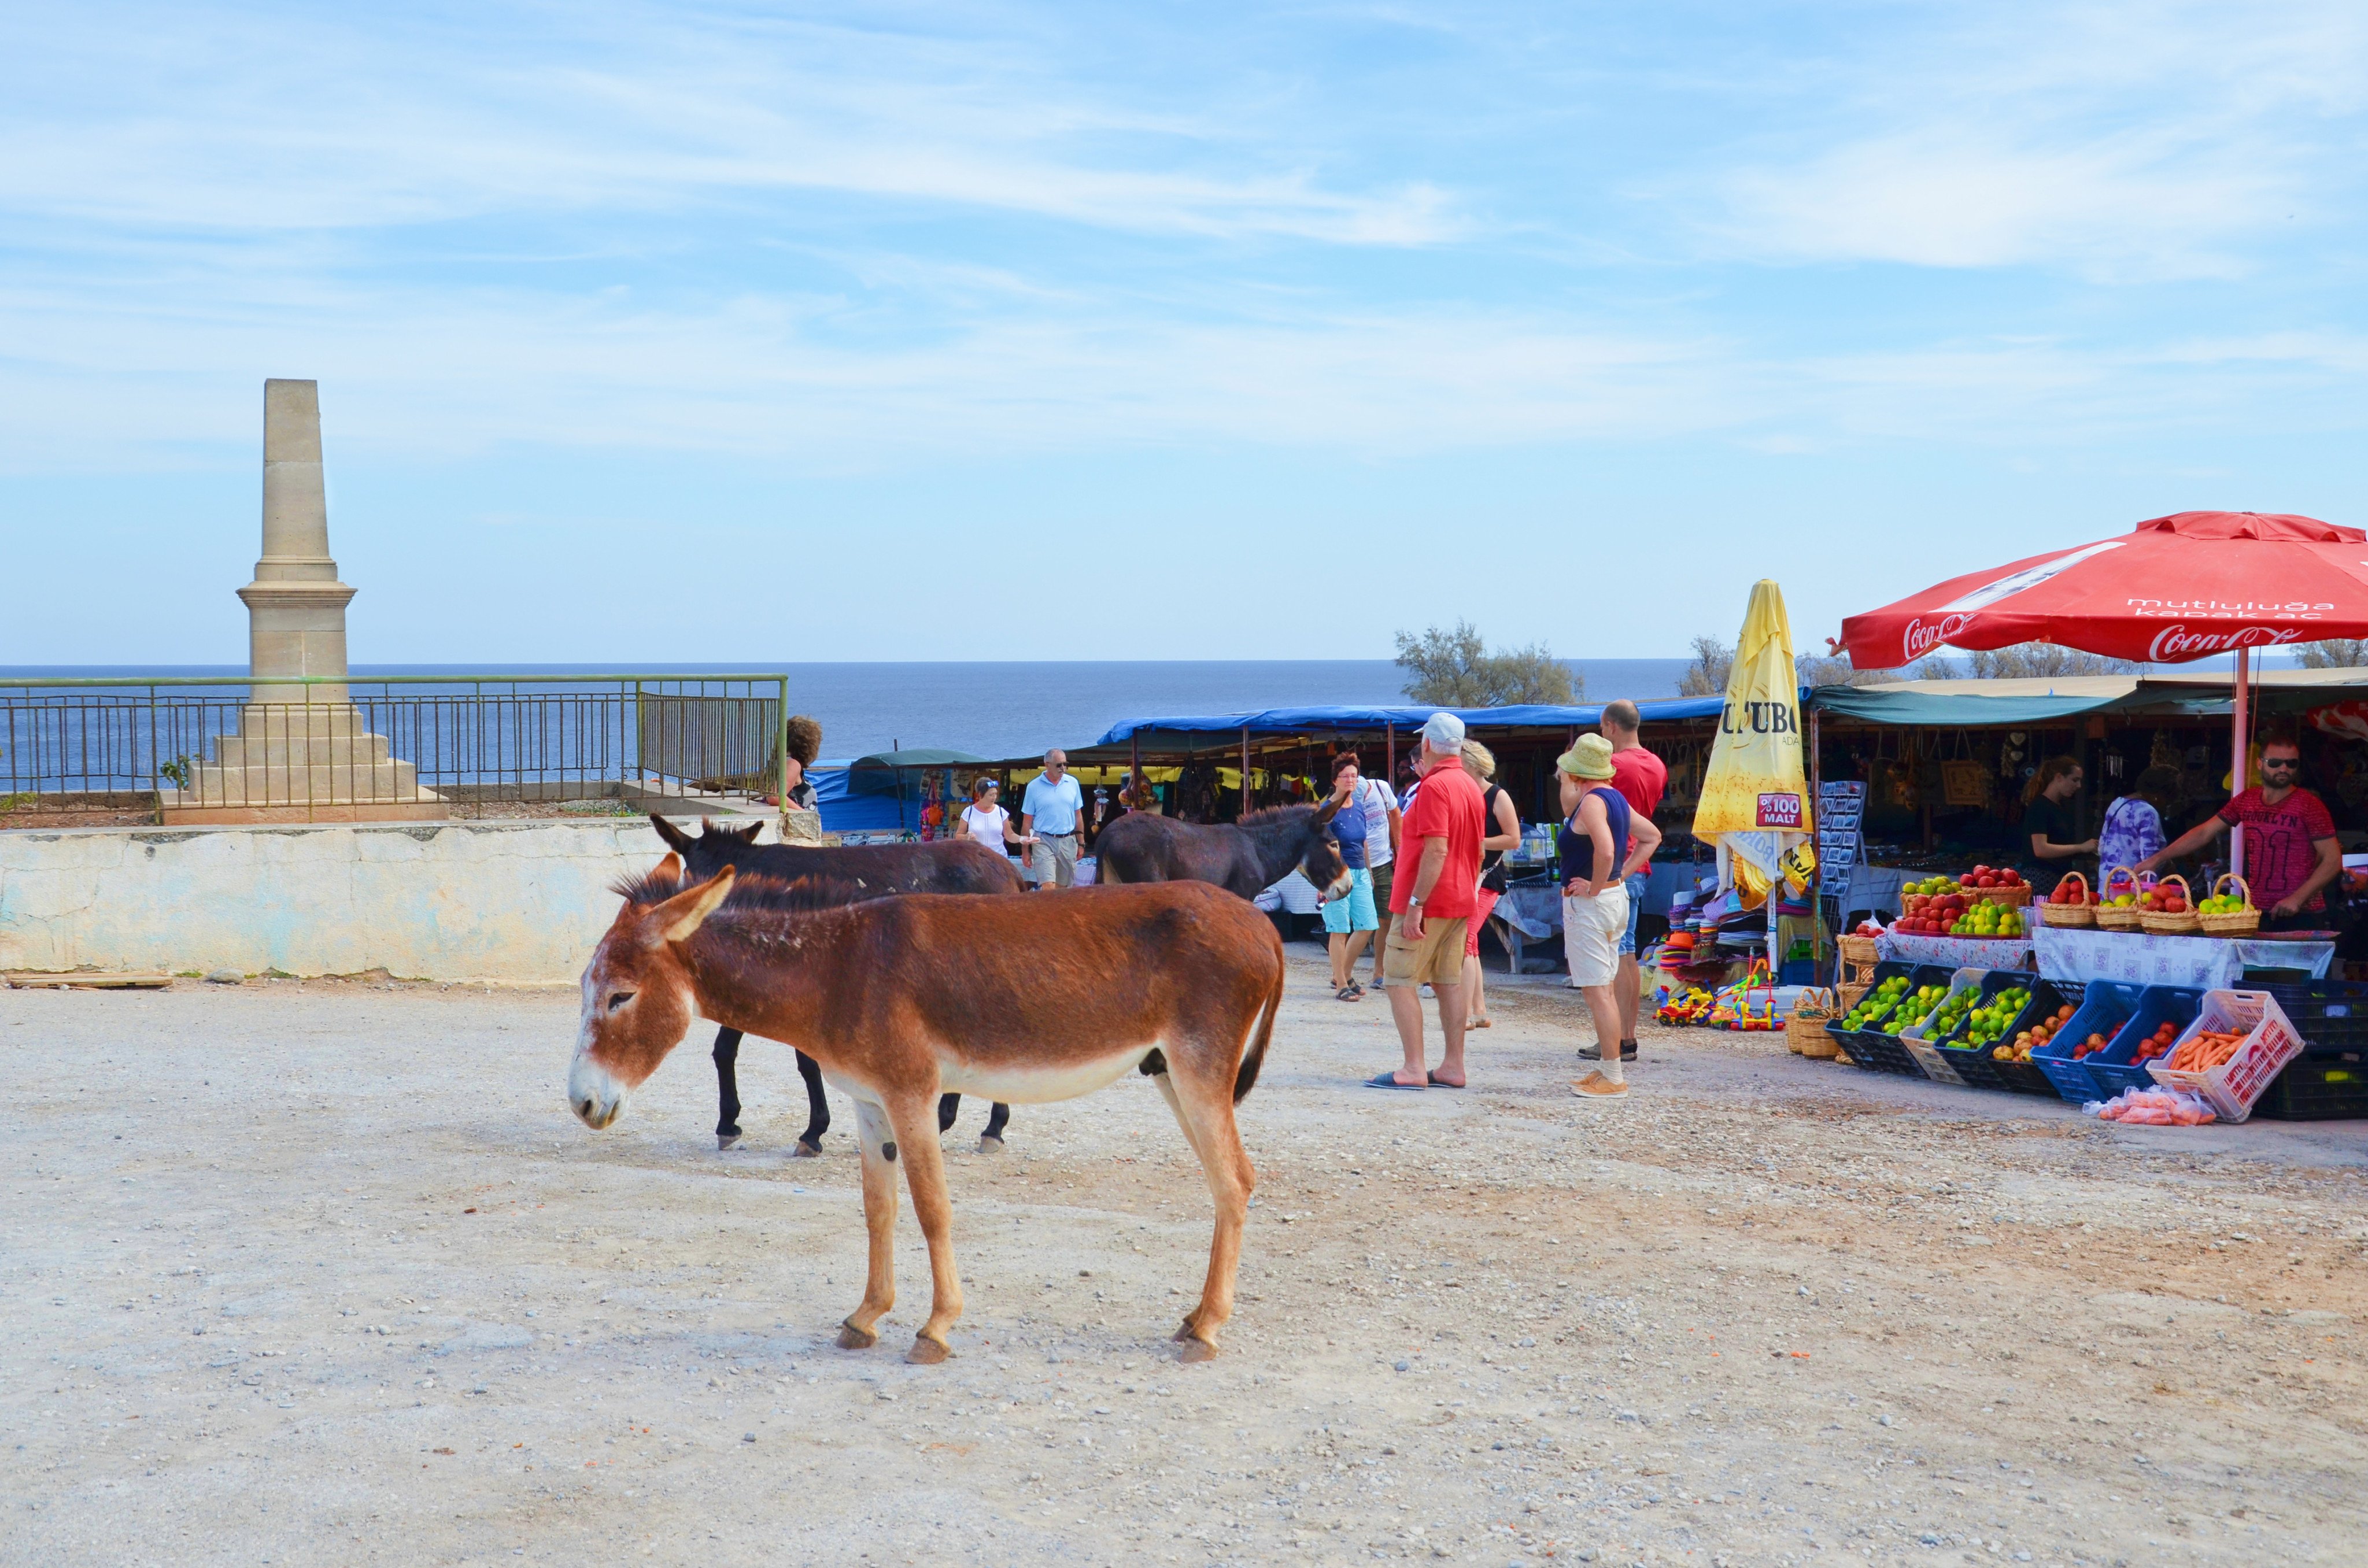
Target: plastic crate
1983,1071
2112,1067
2331,1014
2318,1088
1937,1064
1876,1051
2109,1004
2271,1042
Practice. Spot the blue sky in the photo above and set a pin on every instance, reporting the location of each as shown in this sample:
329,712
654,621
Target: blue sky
1153,331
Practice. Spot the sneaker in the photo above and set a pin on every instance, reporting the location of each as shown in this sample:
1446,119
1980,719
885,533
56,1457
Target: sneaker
1594,1053
1596,1086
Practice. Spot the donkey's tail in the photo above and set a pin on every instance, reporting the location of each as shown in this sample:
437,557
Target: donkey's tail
1246,1076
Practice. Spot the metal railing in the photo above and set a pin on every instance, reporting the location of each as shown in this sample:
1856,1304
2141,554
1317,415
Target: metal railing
111,750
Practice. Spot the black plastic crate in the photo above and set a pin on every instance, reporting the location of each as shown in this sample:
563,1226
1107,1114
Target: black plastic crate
1978,1068
2331,1015
1870,1048
2318,1088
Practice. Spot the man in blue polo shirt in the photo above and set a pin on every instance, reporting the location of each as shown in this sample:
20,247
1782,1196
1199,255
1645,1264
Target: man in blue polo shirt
1053,809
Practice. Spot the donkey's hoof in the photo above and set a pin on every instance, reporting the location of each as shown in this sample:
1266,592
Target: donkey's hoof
726,1139
1184,1330
989,1146
1193,1350
804,1150
927,1352
853,1338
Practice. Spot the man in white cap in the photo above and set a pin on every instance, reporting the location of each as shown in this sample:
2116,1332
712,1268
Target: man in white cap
1432,900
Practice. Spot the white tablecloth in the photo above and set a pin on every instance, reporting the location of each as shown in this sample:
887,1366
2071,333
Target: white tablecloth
2138,958
1957,952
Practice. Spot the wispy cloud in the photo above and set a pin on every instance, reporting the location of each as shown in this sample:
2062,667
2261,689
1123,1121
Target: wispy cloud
2110,140
317,120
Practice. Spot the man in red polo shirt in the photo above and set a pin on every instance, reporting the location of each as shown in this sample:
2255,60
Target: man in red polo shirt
1433,900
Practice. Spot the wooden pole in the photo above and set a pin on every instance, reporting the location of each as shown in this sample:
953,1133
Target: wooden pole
1246,770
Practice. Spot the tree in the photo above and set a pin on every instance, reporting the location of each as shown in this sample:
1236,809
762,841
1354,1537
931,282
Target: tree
1706,677
1454,669
2334,653
2024,661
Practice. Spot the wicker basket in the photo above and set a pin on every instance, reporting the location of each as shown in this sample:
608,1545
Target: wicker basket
1856,949
2108,916
2186,923
2079,916
2016,897
1805,1030
2239,923
1847,995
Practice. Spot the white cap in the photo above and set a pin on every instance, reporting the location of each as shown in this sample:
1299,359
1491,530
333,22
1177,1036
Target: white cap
1444,732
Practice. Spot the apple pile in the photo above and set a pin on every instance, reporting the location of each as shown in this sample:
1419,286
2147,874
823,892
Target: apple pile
1992,877
1956,914
2071,891
2163,898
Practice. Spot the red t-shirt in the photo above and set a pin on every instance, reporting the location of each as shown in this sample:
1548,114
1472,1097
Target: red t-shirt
1447,806
1640,777
2279,855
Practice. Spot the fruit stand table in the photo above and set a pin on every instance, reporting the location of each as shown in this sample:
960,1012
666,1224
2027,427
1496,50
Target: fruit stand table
1957,952
2139,958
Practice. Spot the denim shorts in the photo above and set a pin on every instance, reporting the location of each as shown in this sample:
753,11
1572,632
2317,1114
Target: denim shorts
1345,916
1635,886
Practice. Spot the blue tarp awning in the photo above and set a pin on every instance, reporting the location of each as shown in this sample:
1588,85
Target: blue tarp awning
1300,720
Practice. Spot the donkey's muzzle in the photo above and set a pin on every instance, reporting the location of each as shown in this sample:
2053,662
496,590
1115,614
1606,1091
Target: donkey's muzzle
595,1096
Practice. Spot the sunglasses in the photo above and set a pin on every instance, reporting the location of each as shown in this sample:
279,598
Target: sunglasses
2280,762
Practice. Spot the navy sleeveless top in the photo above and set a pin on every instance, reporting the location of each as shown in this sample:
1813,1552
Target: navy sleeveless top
1578,846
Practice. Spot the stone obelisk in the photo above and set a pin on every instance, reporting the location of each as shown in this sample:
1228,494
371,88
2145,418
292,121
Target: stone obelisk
302,751
296,606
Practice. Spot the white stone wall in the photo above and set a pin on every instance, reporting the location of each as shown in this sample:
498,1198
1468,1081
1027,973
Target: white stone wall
519,902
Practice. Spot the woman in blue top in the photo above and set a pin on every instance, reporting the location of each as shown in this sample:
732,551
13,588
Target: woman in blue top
1350,921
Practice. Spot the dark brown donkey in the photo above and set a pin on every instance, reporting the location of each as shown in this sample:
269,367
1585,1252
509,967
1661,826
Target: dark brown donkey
1242,857
1026,999
861,871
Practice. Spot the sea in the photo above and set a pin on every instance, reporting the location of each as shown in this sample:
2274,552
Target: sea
1002,709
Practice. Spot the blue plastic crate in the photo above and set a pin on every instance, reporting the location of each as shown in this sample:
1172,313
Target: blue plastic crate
2112,1067
2109,1005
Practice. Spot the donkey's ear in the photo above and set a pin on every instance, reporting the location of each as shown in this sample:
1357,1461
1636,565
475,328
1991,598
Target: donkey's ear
668,869
744,834
679,916
1325,812
674,835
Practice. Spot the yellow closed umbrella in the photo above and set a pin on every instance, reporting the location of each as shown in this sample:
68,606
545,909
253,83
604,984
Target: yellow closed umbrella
1755,795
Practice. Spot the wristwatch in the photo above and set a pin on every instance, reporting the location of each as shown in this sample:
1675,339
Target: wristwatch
1414,901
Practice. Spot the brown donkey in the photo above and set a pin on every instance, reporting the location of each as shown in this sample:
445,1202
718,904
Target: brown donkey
1021,998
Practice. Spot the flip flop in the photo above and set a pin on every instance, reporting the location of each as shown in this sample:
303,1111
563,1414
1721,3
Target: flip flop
1346,993
1436,1084
1483,1022
1389,1080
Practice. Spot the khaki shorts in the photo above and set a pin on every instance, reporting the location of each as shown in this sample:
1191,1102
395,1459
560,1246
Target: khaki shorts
1436,960
1591,929
1054,860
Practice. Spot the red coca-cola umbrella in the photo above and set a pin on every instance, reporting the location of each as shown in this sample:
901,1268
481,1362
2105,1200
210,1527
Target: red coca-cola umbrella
2172,590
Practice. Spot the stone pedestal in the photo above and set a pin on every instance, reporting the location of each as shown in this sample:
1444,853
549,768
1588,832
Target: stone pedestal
301,751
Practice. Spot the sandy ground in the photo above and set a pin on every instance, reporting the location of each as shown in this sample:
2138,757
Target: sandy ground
311,1273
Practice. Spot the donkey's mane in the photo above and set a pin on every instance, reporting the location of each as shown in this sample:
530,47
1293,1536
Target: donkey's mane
1275,816
750,890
